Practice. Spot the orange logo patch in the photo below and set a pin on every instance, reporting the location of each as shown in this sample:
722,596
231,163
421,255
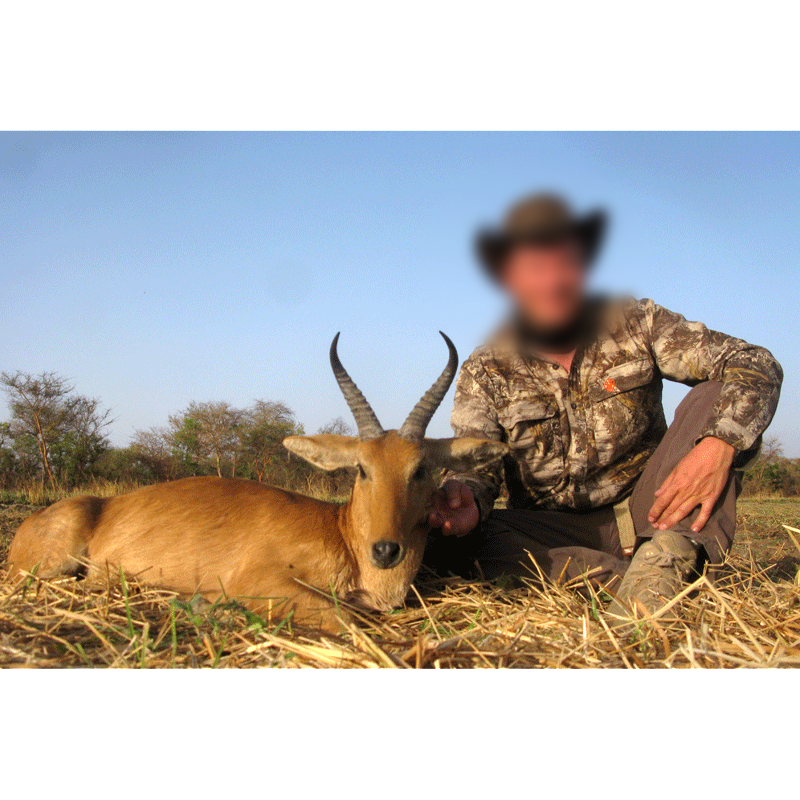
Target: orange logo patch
610,385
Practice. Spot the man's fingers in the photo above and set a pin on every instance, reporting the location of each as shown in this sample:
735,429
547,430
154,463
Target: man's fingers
679,499
451,527
664,486
704,515
661,503
663,517
677,513
453,490
454,509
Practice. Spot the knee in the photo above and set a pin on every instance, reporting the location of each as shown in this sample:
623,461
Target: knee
705,391
702,396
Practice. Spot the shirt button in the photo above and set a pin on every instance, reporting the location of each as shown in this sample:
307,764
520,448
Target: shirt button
574,406
555,366
578,449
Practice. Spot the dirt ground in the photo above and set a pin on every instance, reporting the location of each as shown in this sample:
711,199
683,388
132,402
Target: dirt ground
760,534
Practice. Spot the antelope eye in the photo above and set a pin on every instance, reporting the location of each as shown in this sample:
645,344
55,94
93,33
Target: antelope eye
361,473
420,473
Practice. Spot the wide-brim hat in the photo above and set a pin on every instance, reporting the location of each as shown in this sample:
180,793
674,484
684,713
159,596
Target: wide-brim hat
540,219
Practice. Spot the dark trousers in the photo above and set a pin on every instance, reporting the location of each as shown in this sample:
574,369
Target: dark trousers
568,545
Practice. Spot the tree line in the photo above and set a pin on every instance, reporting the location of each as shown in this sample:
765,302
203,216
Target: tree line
772,473
58,438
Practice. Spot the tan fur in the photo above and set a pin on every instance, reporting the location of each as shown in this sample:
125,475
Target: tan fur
219,537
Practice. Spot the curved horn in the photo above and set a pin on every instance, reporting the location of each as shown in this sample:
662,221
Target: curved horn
368,425
418,419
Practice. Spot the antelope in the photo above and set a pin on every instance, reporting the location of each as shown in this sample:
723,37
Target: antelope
273,550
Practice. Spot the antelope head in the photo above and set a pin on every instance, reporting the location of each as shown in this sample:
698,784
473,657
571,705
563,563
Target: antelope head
387,517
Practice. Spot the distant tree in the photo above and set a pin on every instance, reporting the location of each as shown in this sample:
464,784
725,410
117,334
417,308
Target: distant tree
208,432
771,449
763,476
789,477
38,410
124,465
338,427
8,458
65,431
264,427
21,460
218,427
154,453
83,439
183,435
216,437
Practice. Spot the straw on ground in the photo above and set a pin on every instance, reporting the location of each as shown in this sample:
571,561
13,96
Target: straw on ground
749,618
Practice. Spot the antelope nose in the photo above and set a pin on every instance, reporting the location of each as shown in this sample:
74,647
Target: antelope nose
386,554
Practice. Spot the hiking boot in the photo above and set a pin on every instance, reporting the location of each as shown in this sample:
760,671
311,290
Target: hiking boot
661,567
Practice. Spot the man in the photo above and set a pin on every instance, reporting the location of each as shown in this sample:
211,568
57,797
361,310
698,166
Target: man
598,485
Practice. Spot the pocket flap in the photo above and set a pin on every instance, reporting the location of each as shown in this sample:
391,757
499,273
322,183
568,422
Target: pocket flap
623,378
529,411
520,417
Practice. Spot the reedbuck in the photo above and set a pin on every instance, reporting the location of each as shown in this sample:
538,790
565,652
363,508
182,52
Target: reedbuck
271,549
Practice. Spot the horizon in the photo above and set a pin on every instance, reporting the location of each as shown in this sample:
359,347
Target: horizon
156,269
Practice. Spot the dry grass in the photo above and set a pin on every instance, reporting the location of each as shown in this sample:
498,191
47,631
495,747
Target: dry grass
749,618
745,620
36,493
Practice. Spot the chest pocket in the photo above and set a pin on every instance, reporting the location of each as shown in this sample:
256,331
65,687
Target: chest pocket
623,378
533,430
528,423
623,399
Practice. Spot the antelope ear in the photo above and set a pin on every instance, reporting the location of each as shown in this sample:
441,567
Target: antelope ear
463,455
326,451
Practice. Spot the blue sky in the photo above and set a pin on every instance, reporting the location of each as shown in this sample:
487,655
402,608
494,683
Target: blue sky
158,268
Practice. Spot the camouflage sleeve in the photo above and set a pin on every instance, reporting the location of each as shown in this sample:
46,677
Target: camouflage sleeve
689,352
474,415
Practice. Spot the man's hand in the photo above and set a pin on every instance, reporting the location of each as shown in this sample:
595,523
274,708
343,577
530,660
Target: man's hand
697,480
454,509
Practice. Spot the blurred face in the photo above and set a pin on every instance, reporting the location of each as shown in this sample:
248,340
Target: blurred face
547,282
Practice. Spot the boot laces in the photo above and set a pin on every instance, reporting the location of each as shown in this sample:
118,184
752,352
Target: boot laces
662,560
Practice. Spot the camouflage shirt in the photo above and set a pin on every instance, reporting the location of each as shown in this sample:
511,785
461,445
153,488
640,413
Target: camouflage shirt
580,439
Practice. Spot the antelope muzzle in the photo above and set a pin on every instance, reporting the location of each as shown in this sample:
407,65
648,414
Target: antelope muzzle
386,554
